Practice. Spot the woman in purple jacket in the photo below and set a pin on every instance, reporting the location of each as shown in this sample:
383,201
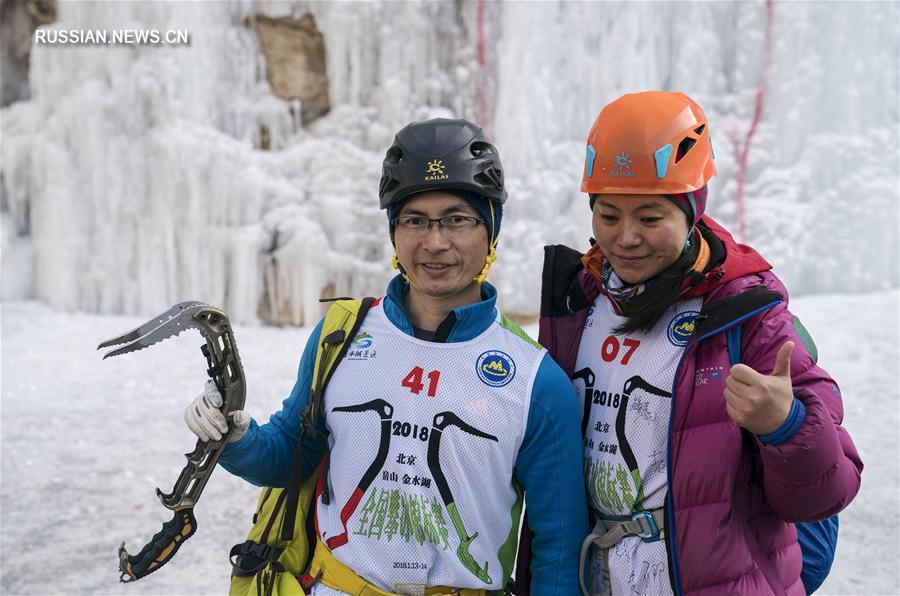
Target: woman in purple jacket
696,470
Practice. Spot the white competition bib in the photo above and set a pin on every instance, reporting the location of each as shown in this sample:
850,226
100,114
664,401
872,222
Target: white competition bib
628,379
425,437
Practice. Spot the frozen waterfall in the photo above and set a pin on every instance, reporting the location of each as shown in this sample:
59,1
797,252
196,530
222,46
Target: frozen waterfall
137,176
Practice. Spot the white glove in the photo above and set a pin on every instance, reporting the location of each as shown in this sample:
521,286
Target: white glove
206,421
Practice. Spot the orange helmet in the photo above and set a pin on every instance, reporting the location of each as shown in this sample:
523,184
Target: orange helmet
648,143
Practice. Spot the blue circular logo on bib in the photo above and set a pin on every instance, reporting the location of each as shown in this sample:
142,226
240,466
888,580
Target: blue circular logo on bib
681,327
495,368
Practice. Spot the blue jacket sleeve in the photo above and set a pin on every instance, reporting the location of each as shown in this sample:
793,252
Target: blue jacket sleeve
265,453
549,466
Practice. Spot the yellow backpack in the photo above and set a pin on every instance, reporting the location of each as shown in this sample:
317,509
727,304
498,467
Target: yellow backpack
277,550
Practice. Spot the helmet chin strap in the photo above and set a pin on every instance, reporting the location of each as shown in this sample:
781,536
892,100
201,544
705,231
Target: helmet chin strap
492,252
687,243
478,279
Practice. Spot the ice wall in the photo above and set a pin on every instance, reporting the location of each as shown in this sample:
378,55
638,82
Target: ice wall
134,178
822,183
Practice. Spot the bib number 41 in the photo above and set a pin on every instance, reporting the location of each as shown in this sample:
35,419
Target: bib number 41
413,381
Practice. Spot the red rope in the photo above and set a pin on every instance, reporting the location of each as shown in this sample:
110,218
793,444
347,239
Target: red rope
742,149
483,115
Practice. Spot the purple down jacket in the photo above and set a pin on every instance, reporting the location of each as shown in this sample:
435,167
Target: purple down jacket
732,499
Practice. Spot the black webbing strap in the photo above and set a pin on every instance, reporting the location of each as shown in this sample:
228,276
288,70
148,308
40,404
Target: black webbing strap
295,479
248,558
279,503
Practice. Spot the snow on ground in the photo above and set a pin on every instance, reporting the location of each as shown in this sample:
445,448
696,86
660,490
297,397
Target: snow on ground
85,442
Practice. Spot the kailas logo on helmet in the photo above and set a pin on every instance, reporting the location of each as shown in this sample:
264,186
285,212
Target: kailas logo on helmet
435,171
622,166
681,327
495,368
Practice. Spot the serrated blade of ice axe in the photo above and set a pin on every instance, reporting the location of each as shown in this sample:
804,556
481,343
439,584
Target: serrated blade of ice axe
169,324
149,326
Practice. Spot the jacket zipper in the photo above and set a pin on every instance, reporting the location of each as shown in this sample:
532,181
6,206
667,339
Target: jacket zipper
670,501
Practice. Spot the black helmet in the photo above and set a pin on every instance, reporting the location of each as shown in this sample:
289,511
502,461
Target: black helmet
441,154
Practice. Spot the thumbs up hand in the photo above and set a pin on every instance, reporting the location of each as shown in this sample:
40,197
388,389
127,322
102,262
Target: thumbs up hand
761,403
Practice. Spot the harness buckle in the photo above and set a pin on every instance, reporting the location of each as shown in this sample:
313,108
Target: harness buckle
648,527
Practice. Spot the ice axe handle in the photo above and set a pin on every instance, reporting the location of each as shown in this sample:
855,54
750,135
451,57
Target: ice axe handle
161,548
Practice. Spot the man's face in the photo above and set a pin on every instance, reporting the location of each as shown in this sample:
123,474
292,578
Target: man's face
439,262
641,235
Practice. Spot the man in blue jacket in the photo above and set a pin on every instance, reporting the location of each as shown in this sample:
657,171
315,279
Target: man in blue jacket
442,416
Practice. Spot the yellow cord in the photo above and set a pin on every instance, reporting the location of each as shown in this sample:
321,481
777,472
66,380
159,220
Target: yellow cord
488,261
492,252
395,264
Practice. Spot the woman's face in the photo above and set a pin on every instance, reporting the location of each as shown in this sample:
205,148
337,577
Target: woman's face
641,235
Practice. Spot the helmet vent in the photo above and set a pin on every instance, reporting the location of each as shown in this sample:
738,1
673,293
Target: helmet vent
481,149
491,177
699,130
387,185
683,147
394,154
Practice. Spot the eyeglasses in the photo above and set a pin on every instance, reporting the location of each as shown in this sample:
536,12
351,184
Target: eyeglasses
453,225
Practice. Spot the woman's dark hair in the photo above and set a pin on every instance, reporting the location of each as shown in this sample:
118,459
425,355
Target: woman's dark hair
644,310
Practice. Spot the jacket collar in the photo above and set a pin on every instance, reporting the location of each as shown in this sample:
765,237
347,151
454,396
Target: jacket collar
462,323
729,261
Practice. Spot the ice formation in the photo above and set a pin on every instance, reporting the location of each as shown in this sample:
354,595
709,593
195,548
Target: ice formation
134,178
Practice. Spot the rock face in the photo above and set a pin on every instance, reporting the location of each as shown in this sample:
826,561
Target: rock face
295,62
18,20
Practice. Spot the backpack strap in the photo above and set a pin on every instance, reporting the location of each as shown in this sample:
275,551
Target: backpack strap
733,339
561,293
342,323
818,539
726,311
